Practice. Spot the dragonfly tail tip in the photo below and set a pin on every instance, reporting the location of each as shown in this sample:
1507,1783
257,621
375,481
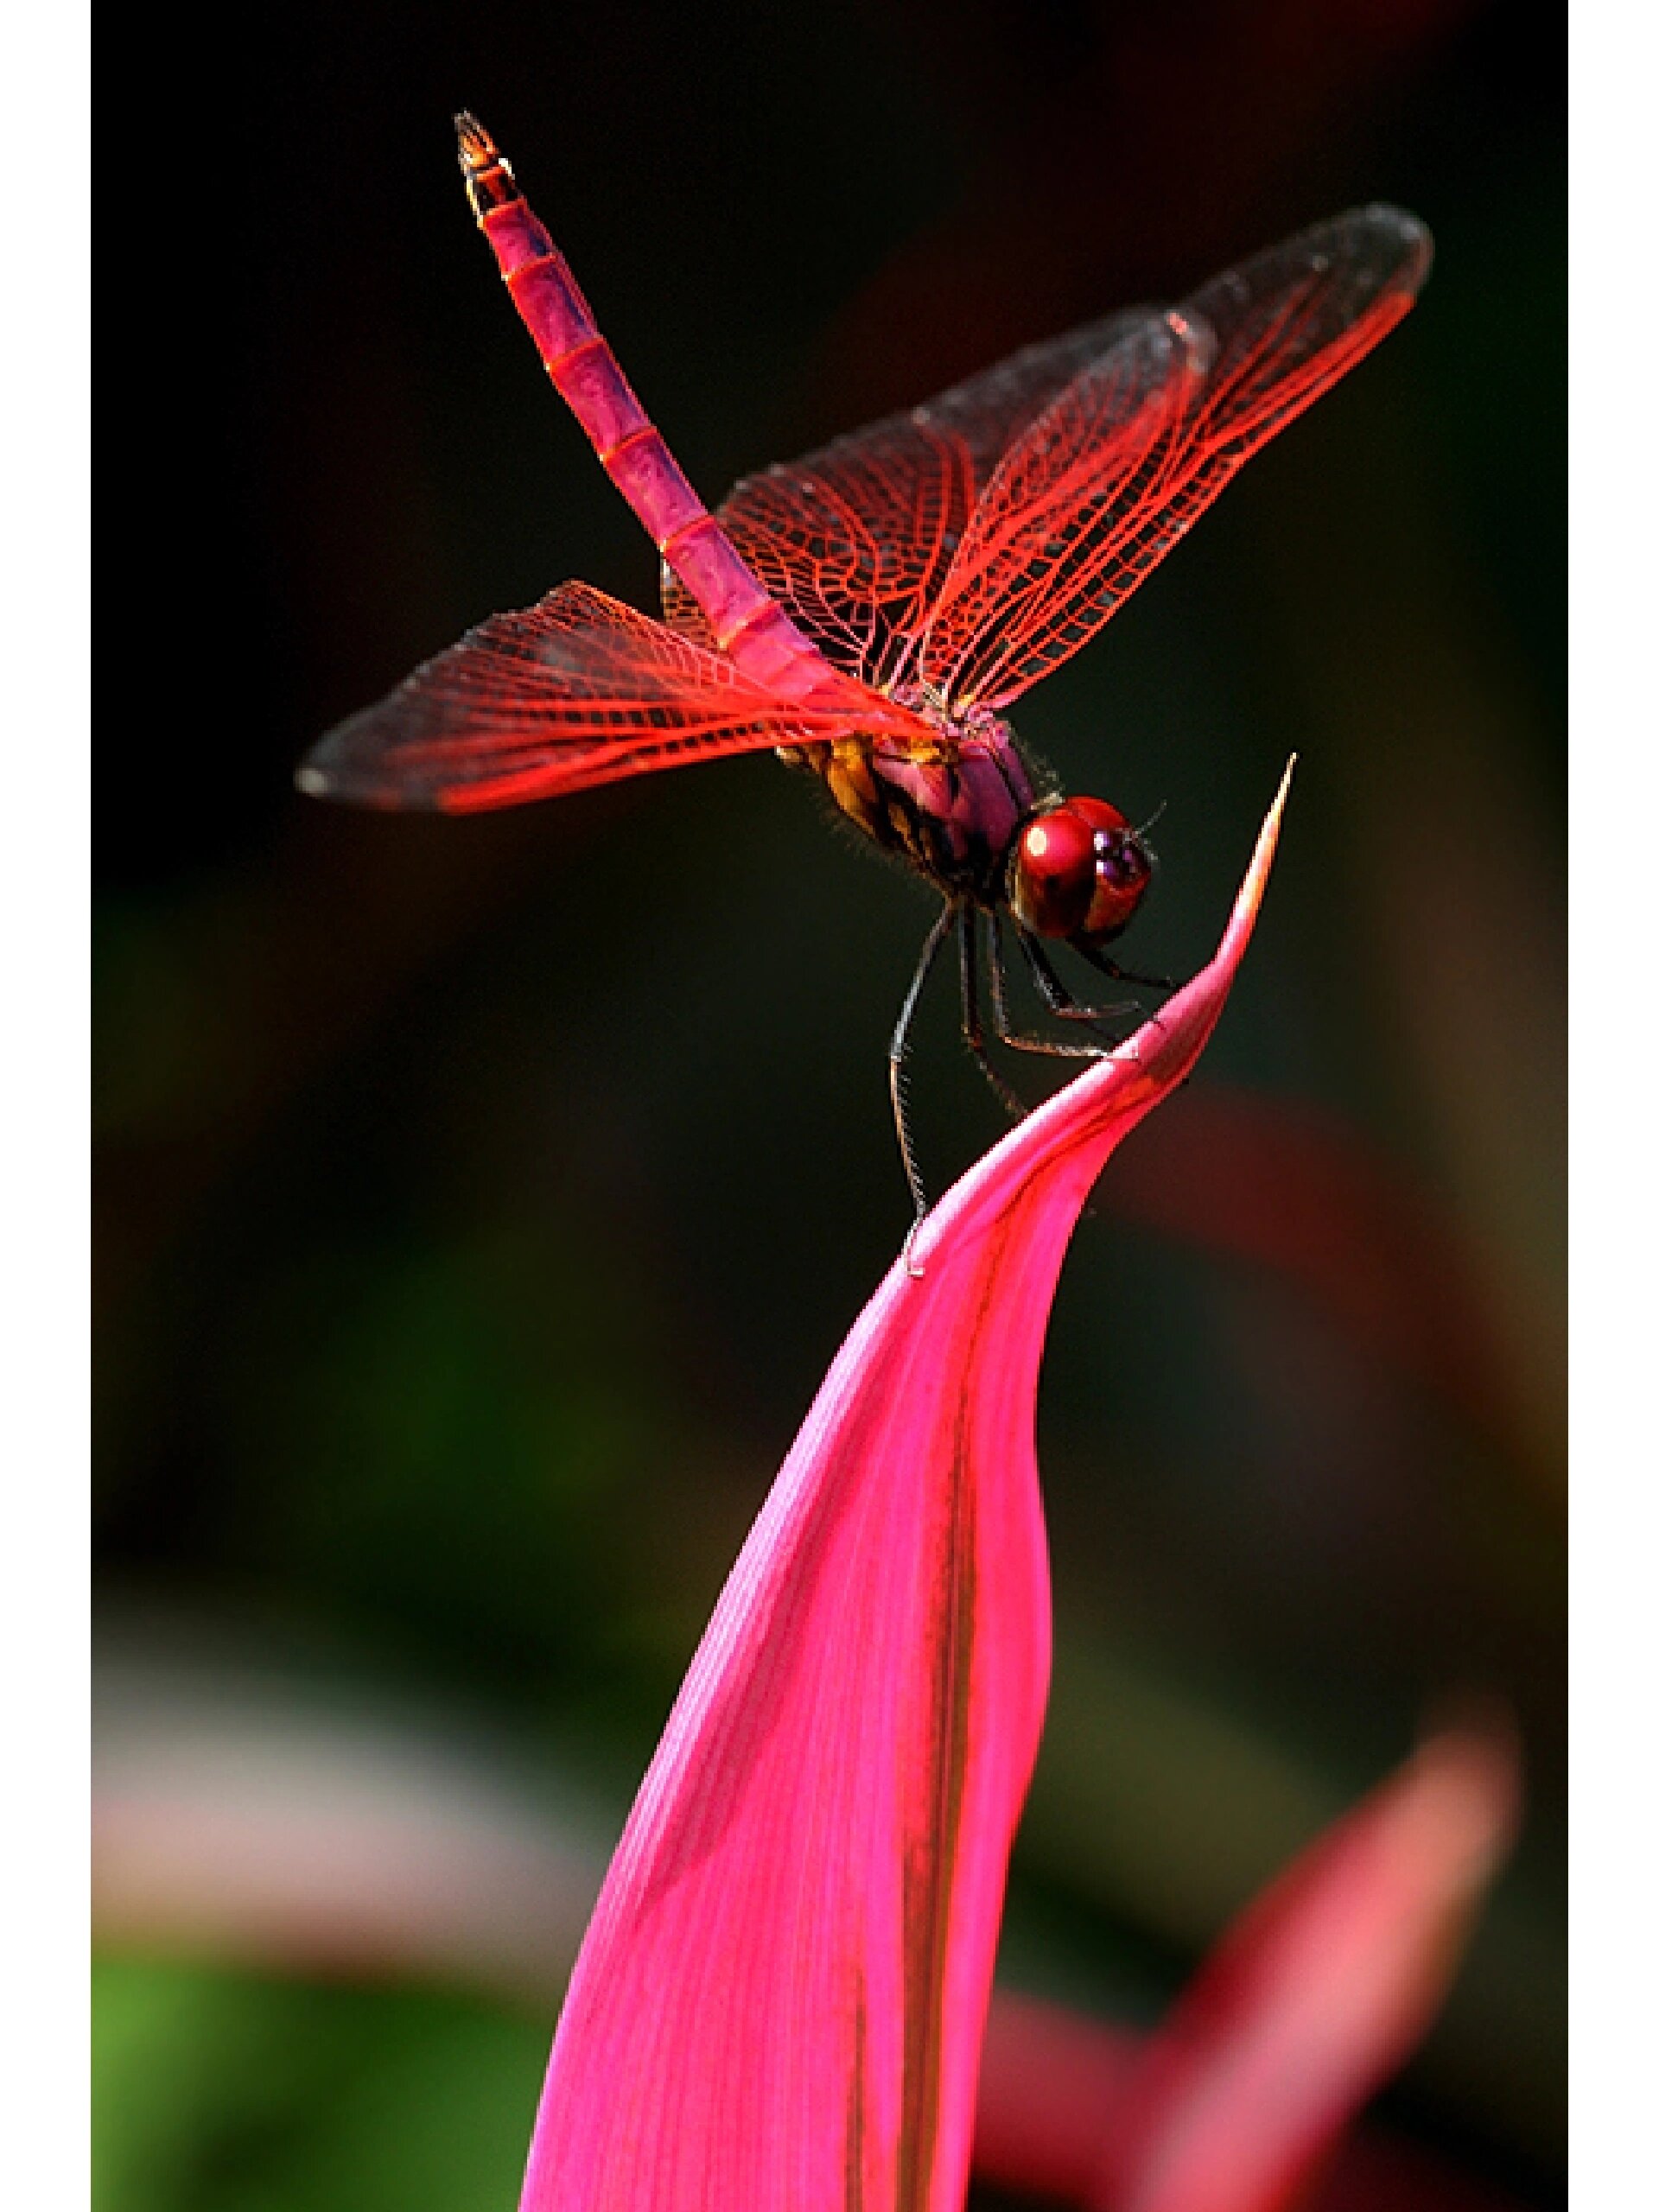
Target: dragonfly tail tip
485,169
477,148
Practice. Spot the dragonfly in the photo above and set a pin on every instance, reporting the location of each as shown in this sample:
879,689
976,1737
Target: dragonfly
870,612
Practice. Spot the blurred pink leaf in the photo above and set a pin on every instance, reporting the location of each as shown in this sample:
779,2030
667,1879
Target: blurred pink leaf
1315,1995
780,1999
1052,2084
1288,1187
1055,2087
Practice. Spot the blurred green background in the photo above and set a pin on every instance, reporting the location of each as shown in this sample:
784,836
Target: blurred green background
479,1203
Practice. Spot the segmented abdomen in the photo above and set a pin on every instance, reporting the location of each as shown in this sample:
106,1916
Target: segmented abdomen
747,623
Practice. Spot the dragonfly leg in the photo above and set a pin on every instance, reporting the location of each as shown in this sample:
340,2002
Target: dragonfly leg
972,1027
1056,996
1059,1001
898,1048
1107,967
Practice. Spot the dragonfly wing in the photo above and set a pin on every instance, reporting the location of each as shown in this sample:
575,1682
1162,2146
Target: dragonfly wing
855,541
1065,530
577,689
1031,558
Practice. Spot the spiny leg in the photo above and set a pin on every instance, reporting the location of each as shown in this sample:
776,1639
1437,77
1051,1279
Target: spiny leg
1107,967
1021,1041
898,1048
1097,959
972,1027
1059,1001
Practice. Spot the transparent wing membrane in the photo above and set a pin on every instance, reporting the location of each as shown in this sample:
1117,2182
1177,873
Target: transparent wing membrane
855,541
1263,342
978,540
577,689
1045,540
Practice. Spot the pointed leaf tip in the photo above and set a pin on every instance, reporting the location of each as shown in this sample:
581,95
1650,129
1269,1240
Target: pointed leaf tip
1075,1132
1248,904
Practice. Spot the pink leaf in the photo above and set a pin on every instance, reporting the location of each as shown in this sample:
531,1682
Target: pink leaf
1052,2087
779,2002
1056,2087
1287,1186
1316,1994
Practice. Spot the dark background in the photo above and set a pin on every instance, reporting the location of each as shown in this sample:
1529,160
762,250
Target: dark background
478,1203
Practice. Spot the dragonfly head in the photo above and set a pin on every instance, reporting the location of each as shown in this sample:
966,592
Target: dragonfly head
1078,871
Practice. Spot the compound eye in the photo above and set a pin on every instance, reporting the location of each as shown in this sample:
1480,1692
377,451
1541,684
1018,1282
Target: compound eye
1079,872
1052,878
1123,871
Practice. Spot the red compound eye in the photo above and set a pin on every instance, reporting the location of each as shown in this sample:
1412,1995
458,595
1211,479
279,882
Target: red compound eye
1053,872
1078,872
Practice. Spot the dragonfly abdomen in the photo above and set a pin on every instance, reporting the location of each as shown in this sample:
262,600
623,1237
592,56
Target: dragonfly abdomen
747,621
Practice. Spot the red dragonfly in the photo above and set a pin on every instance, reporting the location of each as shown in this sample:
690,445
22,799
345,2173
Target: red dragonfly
870,612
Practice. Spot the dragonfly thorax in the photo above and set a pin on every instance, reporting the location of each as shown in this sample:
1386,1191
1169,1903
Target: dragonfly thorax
951,808
964,812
